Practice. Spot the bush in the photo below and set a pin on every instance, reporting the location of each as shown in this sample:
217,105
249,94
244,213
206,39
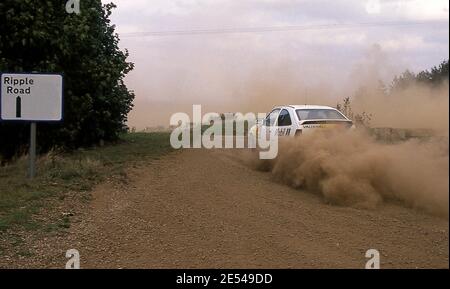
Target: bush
360,119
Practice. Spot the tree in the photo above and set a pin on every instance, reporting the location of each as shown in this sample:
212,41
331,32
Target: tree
406,79
41,36
435,76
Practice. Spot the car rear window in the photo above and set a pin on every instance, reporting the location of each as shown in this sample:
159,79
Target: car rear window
304,114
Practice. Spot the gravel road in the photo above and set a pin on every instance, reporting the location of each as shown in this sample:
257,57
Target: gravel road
207,209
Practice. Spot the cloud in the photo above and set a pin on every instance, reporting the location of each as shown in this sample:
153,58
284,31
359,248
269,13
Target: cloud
416,9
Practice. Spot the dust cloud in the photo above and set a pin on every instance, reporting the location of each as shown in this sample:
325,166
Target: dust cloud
347,169
356,169
352,169
417,106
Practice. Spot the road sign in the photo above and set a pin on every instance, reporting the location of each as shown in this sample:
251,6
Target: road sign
31,97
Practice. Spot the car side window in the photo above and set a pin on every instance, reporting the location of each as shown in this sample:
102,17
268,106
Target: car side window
284,119
271,118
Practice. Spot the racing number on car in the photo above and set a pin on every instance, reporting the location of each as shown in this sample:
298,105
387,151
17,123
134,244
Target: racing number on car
283,131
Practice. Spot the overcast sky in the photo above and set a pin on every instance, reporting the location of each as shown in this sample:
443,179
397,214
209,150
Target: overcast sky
175,69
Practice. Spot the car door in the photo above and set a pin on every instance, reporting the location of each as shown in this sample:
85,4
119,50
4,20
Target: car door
284,123
269,124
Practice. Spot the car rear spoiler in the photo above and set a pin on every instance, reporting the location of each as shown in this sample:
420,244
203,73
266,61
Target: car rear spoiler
329,121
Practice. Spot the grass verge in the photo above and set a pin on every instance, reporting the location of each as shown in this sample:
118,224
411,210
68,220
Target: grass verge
79,171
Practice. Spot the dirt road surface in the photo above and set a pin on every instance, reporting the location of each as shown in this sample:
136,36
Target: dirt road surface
207,209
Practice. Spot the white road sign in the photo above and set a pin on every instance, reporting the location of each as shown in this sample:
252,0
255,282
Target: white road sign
31,97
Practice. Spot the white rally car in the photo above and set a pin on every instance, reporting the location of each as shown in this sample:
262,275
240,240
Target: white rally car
292,120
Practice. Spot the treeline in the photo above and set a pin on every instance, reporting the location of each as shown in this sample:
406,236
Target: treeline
434,76
40,36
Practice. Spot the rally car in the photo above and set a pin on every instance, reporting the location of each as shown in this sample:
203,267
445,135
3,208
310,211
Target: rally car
292,120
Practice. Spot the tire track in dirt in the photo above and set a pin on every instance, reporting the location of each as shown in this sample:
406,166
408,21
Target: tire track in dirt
206,209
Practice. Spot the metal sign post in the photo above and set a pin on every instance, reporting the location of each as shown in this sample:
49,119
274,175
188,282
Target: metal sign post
32,153
31,98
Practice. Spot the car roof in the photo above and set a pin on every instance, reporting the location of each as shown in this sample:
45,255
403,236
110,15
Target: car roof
306,107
